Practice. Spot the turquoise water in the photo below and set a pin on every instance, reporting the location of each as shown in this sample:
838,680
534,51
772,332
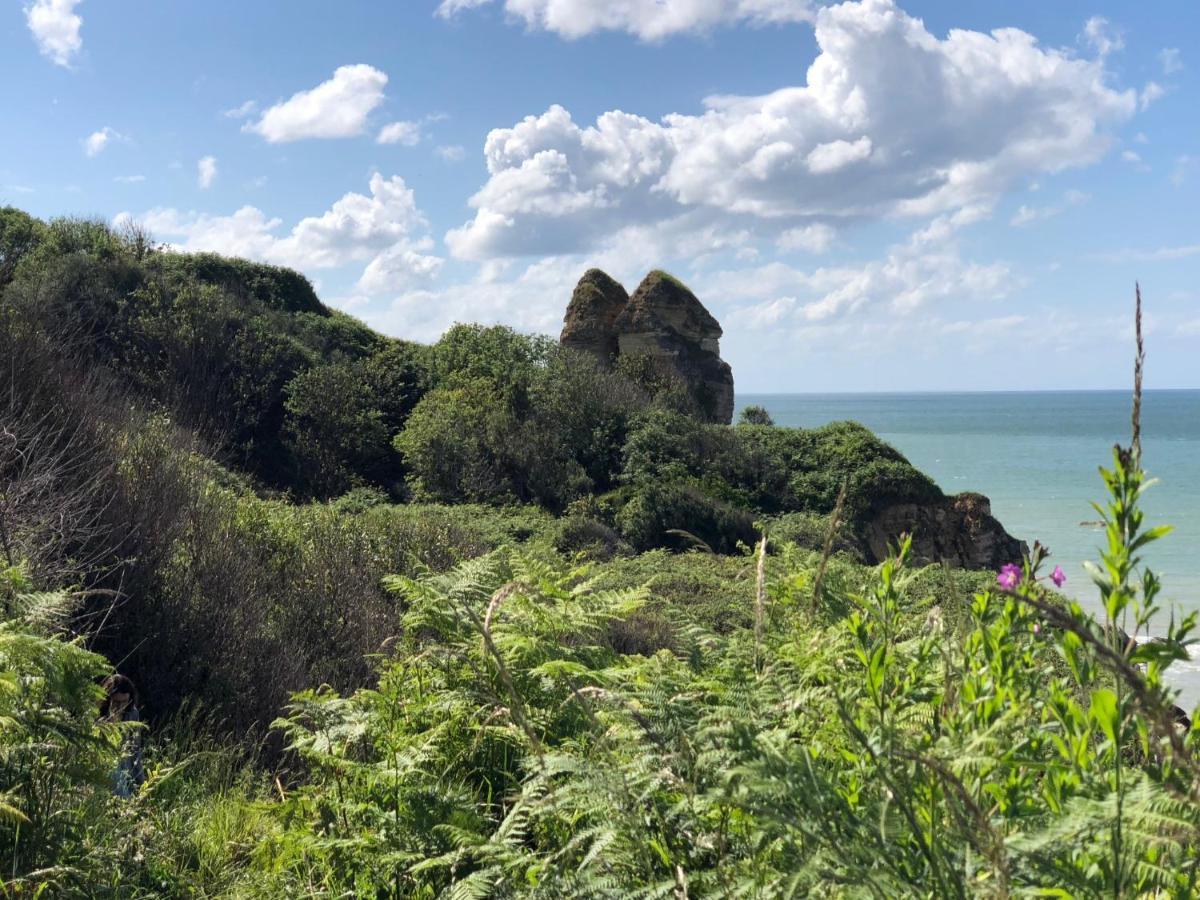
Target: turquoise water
1036,455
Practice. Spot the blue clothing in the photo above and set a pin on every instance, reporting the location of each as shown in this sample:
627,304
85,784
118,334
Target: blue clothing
129,773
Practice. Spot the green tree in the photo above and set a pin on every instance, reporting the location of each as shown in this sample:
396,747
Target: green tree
20,235
335,429
755,415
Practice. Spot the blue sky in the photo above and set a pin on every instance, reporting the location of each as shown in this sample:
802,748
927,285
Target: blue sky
870,196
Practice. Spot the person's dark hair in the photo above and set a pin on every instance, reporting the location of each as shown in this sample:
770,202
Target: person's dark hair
117,684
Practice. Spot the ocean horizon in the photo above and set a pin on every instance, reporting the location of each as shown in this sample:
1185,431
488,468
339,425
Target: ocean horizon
1036,455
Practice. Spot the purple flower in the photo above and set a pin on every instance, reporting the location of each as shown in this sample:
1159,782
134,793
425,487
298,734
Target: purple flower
1009,577
1058,576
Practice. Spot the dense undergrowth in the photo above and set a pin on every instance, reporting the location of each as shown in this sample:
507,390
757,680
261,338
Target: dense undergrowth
872,735
482,620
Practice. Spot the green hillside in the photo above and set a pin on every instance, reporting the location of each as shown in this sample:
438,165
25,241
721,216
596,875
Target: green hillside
485,619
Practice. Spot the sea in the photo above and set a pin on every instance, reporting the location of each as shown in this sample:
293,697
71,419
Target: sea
1037,455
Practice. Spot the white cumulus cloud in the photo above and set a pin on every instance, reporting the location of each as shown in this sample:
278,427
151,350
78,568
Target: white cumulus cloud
815,238
94,143
206,172
649,20
1099,34
397,269
406,133
910,276
892,121
836,155
55,26
383,229
451,152
336,108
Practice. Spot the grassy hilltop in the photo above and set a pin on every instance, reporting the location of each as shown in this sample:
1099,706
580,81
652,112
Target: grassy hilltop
484,618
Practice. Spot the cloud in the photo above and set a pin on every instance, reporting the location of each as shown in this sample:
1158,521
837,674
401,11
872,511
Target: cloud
815,238
129,179
406,133
1183,163
1151,92
206,172
1159,254
835,155
451,152
909,277
398,268
244,111
1027,214
892,121
906,284
1170,60
1099,34
649,21
1131,156
336,108
95,142
381,230
531,296
55,26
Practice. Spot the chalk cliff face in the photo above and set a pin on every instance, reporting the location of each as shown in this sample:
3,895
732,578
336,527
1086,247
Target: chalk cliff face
662,320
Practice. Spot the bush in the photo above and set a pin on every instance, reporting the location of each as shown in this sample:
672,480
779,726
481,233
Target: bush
275,288
755,415
335,430
810,531
577,534
495,354
680,515
20,235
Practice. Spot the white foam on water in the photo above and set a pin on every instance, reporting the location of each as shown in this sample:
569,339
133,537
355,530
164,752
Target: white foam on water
1185,675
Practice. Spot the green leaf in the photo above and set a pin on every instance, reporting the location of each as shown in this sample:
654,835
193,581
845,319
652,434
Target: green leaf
1105,712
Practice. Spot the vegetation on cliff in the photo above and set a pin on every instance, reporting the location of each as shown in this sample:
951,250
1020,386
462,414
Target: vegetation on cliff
485,618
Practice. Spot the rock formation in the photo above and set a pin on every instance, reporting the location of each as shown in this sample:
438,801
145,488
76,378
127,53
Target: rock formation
959,531
592,315
664,321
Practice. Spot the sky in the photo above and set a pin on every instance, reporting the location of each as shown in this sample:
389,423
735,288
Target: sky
870,196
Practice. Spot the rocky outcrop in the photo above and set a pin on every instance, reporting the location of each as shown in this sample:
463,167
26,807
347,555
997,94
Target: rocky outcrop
590,324
662,320
959,531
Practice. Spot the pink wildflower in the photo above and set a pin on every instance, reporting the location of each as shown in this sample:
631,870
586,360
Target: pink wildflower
1009,577
1058,576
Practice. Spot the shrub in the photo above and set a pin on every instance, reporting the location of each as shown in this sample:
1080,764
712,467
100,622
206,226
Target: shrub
755,415
577,534
335,430
20,235
680,515
496,354
272,286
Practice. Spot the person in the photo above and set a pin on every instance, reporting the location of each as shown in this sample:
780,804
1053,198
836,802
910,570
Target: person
121,705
